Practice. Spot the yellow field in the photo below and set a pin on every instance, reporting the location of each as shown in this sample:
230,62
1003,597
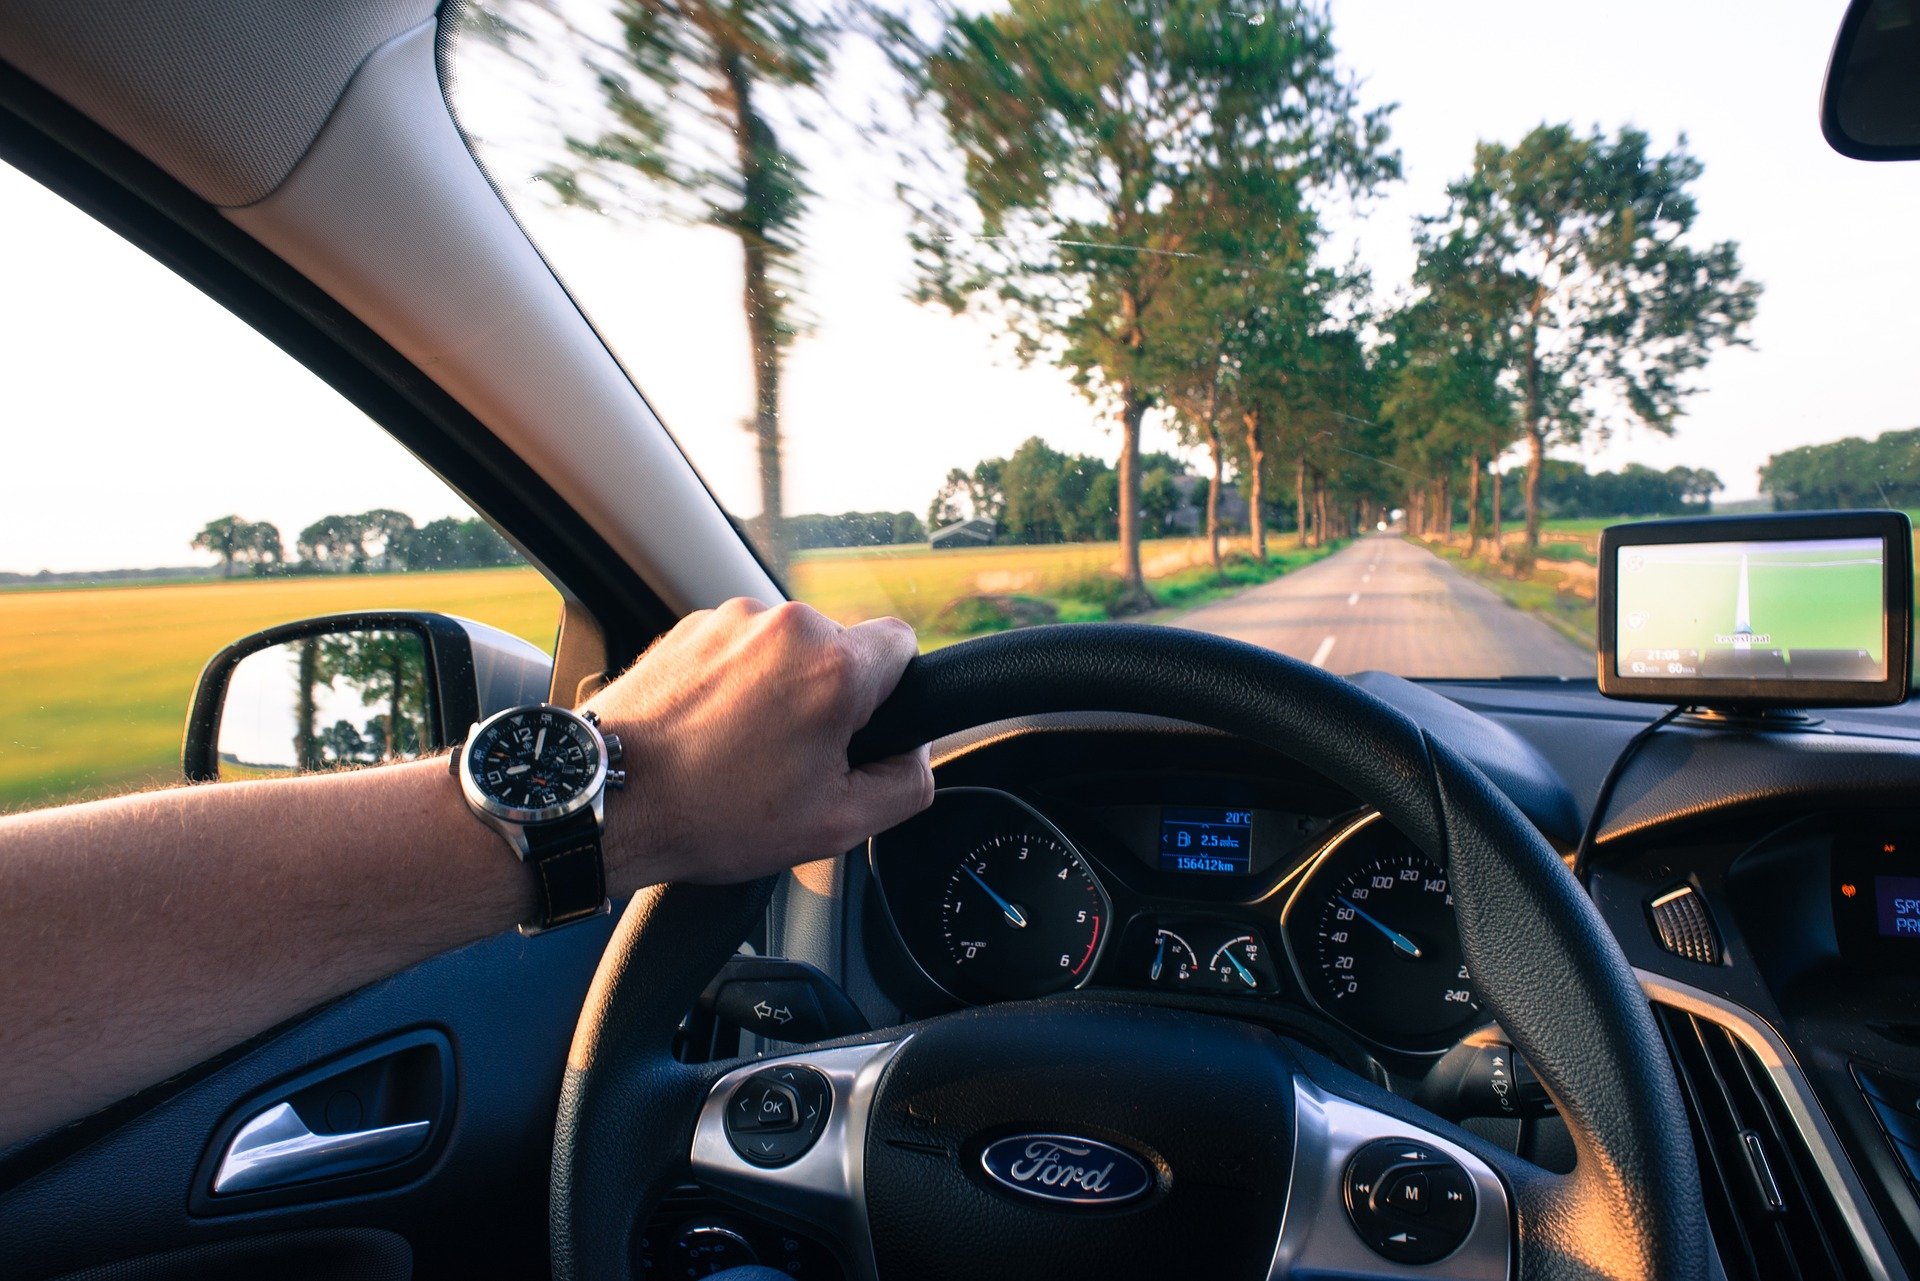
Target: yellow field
915,583
97,680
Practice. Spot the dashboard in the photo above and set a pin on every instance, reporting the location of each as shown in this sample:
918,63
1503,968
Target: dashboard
1765,886
1211,884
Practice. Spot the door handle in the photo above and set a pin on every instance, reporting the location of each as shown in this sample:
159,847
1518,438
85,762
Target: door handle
277,1148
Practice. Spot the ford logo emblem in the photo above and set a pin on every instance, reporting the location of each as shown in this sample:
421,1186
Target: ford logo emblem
1067,1169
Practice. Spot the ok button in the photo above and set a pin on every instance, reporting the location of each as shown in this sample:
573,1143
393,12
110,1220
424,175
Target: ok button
770,1106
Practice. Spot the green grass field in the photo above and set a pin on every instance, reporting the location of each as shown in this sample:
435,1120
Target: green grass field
98,678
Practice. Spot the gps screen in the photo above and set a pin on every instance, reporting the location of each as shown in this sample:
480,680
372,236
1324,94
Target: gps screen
1775,610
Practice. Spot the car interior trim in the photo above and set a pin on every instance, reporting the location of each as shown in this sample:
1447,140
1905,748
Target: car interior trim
1791,1084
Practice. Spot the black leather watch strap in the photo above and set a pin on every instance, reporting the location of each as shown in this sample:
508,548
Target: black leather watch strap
569,874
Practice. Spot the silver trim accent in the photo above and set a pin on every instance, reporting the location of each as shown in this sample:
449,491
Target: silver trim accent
826,1187
1318,1239
1809,1118
276,1149
1093,873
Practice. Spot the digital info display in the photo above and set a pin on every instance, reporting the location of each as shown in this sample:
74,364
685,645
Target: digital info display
1206,840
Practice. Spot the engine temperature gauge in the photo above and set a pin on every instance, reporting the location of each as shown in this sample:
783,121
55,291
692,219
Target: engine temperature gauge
1241,965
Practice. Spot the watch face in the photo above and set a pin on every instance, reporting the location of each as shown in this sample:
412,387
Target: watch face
534,759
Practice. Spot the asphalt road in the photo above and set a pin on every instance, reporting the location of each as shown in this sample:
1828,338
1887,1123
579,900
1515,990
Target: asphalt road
1386,604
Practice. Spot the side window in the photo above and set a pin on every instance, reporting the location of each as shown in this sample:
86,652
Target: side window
173,481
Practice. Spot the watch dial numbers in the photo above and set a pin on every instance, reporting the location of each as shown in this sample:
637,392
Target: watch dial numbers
535,760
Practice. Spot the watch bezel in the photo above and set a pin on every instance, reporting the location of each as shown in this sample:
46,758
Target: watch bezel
485,804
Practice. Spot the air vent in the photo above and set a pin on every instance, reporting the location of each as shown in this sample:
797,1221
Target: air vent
1771,1213
1680,918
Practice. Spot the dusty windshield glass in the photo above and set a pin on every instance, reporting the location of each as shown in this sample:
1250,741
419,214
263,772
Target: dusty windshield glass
1338,328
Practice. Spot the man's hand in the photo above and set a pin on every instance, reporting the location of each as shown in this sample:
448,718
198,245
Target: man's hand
736,725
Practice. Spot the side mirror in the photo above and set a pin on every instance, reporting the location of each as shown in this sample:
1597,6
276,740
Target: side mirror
1870,108
352,689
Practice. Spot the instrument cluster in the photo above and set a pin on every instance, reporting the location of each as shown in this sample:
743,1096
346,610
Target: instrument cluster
994,900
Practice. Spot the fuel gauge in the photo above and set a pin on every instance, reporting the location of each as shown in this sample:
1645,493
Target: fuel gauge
1240,965
1171,962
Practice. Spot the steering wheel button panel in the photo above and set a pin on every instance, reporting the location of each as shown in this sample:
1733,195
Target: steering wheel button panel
1409,1202
774,1115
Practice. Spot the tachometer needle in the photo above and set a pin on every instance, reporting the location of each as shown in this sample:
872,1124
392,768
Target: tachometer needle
1159,955
1245,973
1014,918
1394,936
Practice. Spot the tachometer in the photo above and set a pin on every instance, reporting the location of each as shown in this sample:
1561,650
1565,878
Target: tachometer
1022,915
1385,953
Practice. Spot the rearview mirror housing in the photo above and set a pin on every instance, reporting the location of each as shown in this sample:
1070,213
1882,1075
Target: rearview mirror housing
353,689
1870,107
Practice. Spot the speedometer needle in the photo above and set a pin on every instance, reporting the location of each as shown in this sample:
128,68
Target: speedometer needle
1394,936
1014,918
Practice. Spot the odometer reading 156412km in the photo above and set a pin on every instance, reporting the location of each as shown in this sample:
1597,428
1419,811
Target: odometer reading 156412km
1387,953
1022,915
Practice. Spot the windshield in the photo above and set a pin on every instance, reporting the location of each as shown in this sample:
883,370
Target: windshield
1341,329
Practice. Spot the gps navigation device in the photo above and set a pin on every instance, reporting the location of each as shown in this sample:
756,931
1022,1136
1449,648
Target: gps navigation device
1808,609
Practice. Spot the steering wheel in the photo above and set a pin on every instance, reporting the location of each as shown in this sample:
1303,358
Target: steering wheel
1075,1137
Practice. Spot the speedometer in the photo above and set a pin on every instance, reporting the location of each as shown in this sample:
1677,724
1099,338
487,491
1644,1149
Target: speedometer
1376,940
1022,915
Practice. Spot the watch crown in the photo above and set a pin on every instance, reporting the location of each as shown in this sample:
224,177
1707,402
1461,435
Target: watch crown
615,748
616,779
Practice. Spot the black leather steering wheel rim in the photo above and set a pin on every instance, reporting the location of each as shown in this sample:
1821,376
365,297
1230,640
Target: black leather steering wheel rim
1544,962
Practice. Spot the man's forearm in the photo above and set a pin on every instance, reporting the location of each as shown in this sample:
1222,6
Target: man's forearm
146,933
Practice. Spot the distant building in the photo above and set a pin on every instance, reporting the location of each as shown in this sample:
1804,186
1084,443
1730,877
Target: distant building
1190,517
977,532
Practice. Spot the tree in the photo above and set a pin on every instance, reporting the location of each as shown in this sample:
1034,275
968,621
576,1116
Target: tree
691,132
225,538
384,535
1610,309
1090,139
333,543
260,546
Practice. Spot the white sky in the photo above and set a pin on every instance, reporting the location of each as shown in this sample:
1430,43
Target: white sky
140,410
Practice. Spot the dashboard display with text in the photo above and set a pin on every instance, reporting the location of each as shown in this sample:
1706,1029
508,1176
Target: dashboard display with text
1193,839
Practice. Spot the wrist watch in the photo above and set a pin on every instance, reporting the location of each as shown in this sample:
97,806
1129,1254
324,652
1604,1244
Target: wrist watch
538,775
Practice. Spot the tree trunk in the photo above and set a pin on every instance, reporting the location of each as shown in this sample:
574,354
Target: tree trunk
306,743
1256,481
1536,456
1446,504
753,142
1473,505
1536,452
1319,510
1497,477
1213,493
1133,408
1300,499
396,671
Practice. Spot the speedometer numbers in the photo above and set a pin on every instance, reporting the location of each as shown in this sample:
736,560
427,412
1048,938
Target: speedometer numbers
1384,956
1022,915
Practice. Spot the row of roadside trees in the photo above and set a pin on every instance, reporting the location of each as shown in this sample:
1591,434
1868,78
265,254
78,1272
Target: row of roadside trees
379,540
1140,191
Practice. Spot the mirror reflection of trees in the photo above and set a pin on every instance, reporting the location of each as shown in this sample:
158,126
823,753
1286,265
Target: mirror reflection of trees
385,672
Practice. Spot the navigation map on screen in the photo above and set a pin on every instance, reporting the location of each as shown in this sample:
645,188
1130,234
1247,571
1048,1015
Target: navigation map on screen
1775,610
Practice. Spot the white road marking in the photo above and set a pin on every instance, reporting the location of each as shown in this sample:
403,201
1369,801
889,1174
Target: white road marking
1354,599
1319,658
